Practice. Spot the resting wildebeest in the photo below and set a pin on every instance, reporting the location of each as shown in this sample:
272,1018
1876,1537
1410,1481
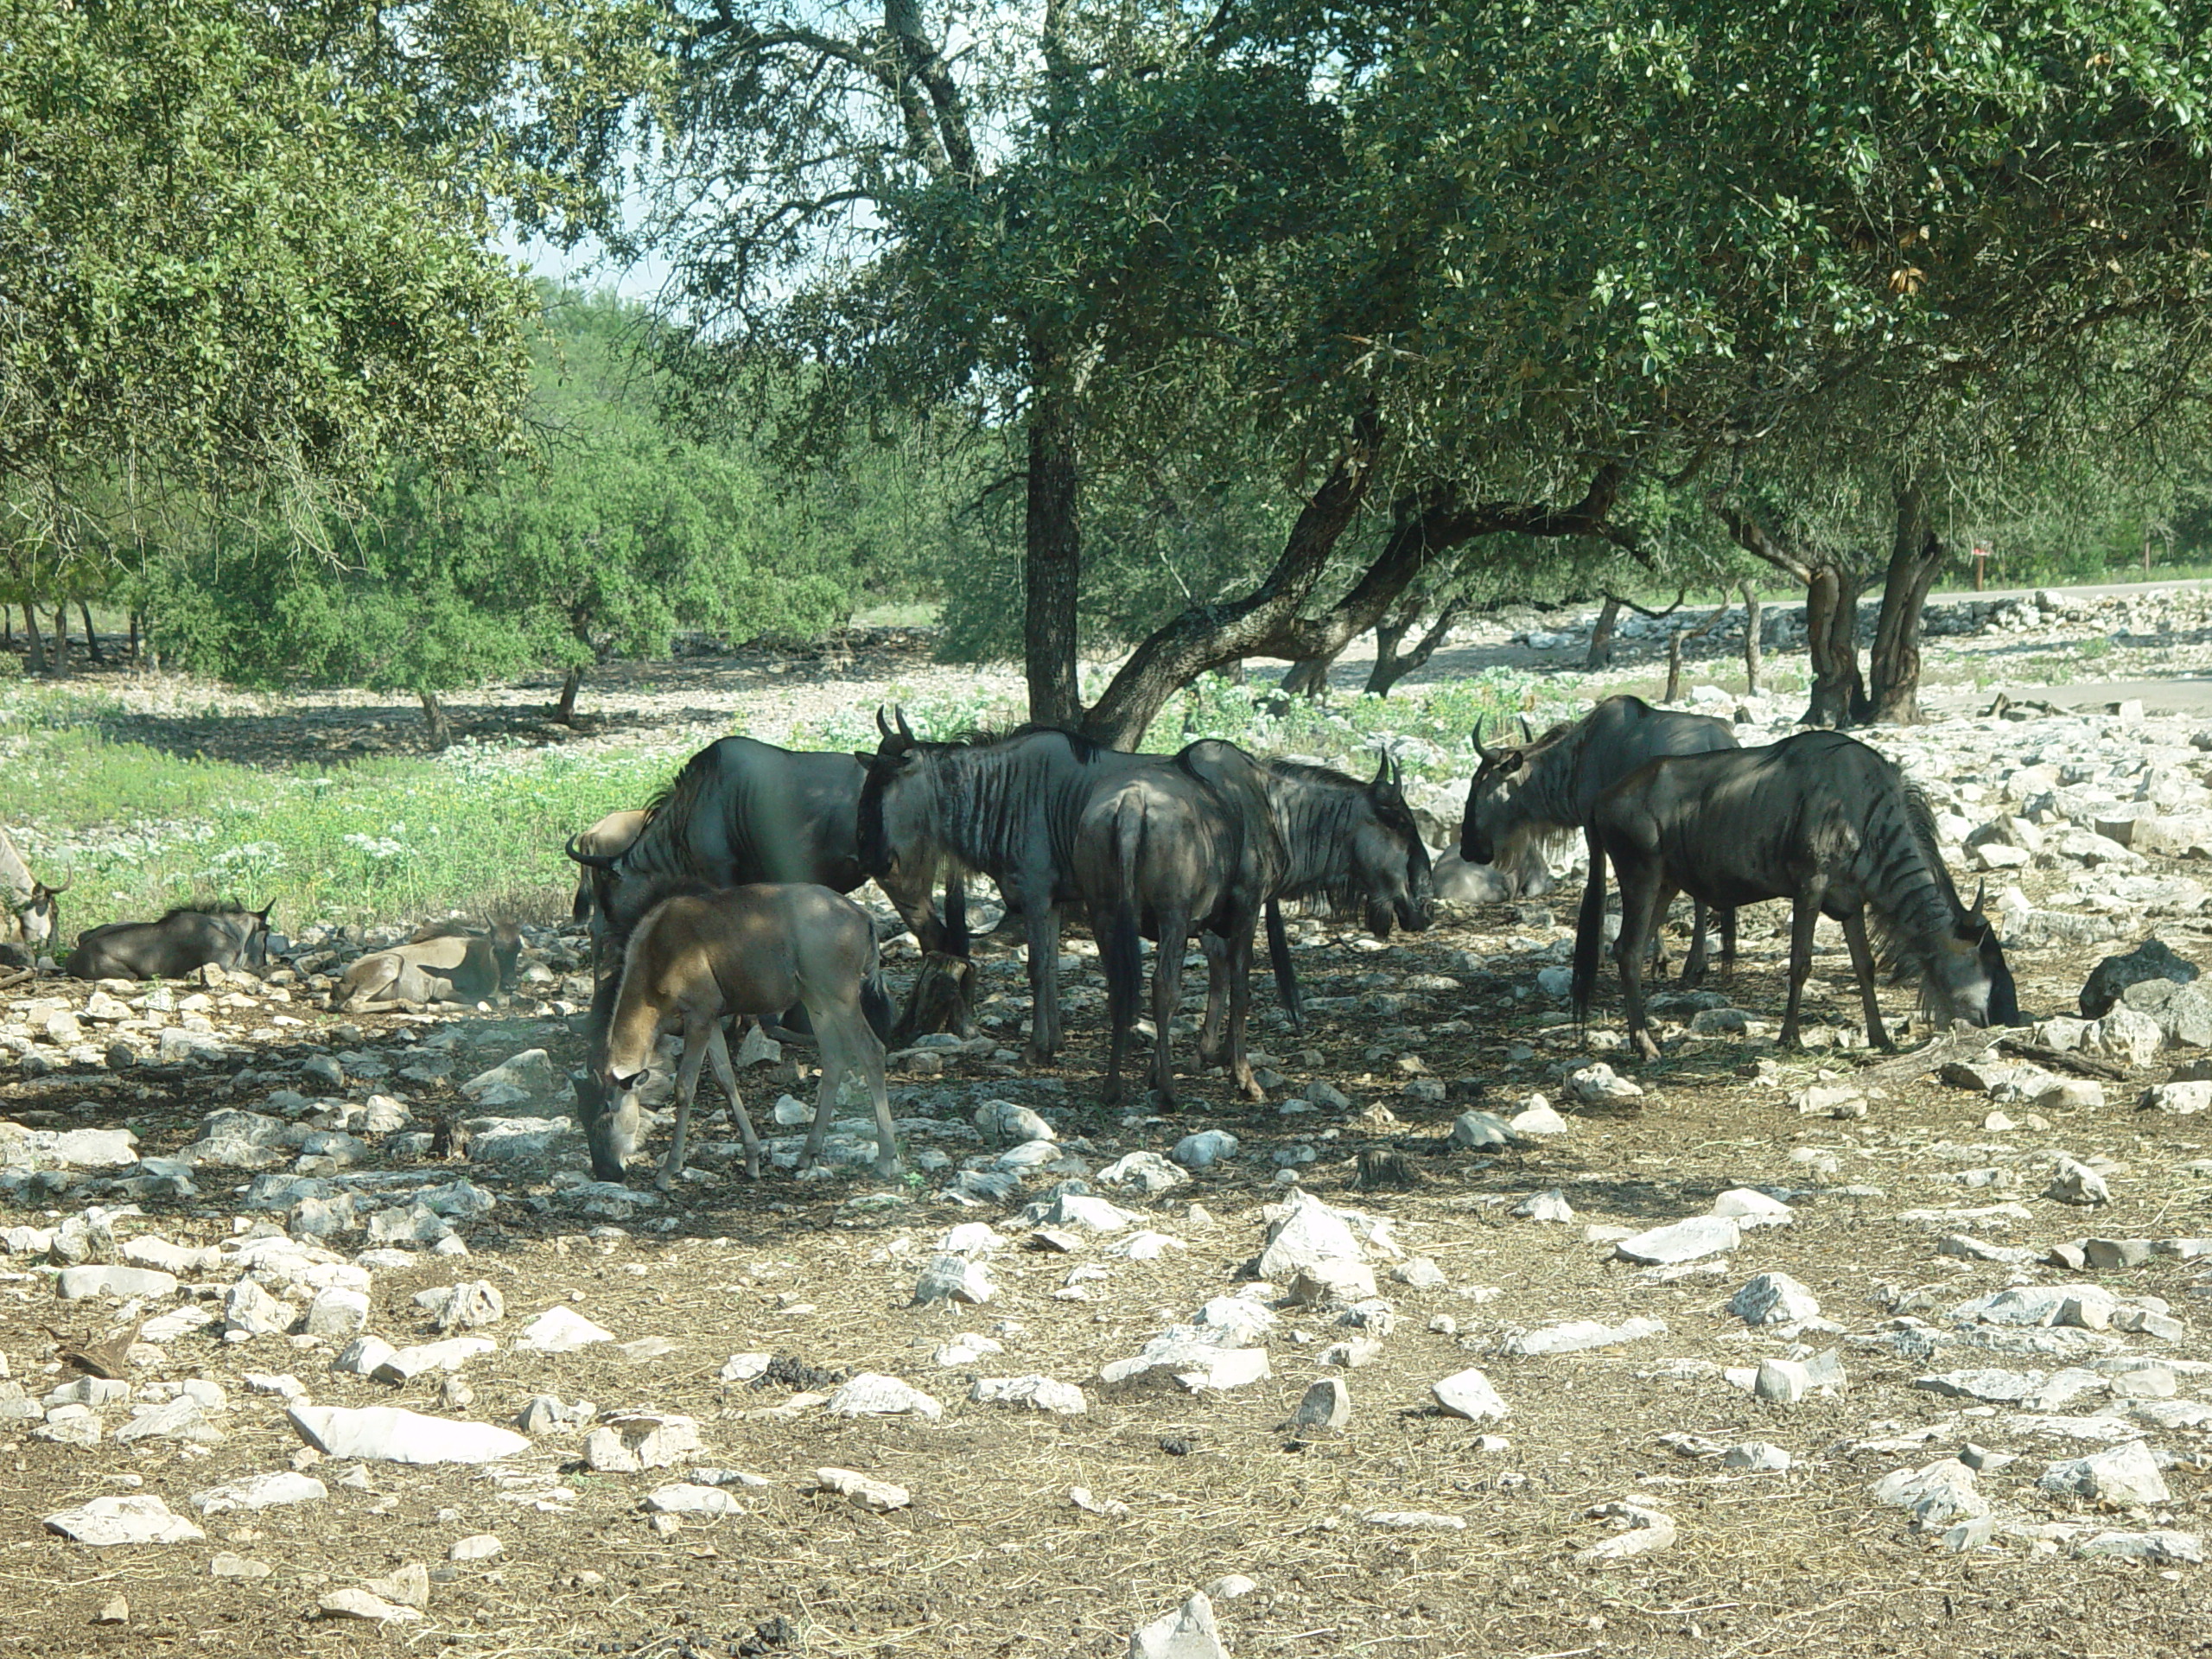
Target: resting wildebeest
702,957
1818,819
1522,796
183,940
29,916
1143,843
443,963
1352,844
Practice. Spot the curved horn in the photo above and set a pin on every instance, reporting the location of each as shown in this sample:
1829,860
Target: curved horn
51,889
593,860
1979,888
905,730
1381,770
1485,755
883,725
1528,732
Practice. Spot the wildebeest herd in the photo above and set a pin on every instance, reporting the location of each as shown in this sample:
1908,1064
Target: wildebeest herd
723,900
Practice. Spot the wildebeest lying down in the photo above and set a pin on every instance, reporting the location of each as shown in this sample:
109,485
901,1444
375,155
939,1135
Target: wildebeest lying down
1818,819
1353,844
183,940
28,914
702,957
1143,843
1522,796
443,963
609,838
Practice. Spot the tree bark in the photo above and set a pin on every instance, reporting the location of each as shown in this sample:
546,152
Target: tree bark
92,634
1388,674
134,636
1752,622
1600,654
434,716
565,710
1052,551
7,626
1674,665
1831,639
37,642
61,663
1916,558
1309,675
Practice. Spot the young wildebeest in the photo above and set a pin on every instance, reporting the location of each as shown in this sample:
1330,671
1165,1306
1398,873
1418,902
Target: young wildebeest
699,958
1818,819
1352,844
1524,796
183,940
29,916
1143,843
443,963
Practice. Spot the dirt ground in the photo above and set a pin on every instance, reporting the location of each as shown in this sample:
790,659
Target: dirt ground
993,1556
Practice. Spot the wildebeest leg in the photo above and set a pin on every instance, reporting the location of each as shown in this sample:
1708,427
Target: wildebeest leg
825,1098
695,1043
1240,1006
1862,963
1044,983
1167,999
1122,957
726,1074
1642,894
1804,913
1728,941
1693,964
1210,1052
860,1044
1661,908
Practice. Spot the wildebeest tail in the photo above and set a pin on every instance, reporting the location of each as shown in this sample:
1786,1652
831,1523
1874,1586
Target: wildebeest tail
1590,930
1286,974
1120,951
876,1004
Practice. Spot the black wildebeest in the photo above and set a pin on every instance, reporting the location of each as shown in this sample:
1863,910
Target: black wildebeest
699,958
1143,843
1818,819
443,963
29,915
1524,795
222,936
1352,844
609,838
741,811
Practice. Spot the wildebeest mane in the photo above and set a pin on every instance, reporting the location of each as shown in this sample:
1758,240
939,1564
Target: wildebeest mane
220,907
979,737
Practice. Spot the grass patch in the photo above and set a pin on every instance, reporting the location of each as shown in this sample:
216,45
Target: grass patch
138,831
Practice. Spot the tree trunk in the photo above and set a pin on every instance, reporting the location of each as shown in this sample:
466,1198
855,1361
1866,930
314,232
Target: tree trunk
1379,682
434,716
135,650
1832,639
1052,551
37,642
1916,558
61,663
1390,633
1309,677
1600,654
92,634
7,626
1674,665
565,710
1751,624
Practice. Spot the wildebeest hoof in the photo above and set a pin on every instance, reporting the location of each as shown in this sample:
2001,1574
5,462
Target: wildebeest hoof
1645,1048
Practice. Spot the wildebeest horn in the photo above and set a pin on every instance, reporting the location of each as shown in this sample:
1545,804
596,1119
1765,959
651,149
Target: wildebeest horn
51,889
905,730
594,860
1980,888
882,724
1528,732
1485,755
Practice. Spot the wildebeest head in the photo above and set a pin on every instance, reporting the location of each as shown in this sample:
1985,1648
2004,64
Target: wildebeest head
37,920
1968,978
251,929
894,810
1499,772
608,1113
1389,862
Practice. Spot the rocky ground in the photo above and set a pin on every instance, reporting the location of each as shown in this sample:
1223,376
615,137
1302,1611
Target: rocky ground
319,1336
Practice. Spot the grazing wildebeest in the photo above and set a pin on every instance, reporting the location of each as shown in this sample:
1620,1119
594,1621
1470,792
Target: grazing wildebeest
443,963
28,914
184,940
609,838
1143,843
1353,844
1818,819
700,958
1523,796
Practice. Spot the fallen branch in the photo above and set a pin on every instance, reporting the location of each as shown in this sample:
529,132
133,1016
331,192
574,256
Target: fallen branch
1966,1044
2081,1064
15,978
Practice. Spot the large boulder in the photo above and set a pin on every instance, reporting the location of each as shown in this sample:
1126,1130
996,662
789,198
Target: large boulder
2150,960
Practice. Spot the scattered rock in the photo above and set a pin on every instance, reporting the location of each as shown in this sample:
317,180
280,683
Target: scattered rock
134,1518
1187,1633
871,1394
1468,1394
861,1491
1638,1530
2150,960
2072,1182
560,1331
354,1601
387,1434
1774,1298
1327,1404
2125,1475
1030,1393
1683,1241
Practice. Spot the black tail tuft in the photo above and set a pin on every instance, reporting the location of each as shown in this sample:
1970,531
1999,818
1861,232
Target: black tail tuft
876,1004
1285,971
1590,932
